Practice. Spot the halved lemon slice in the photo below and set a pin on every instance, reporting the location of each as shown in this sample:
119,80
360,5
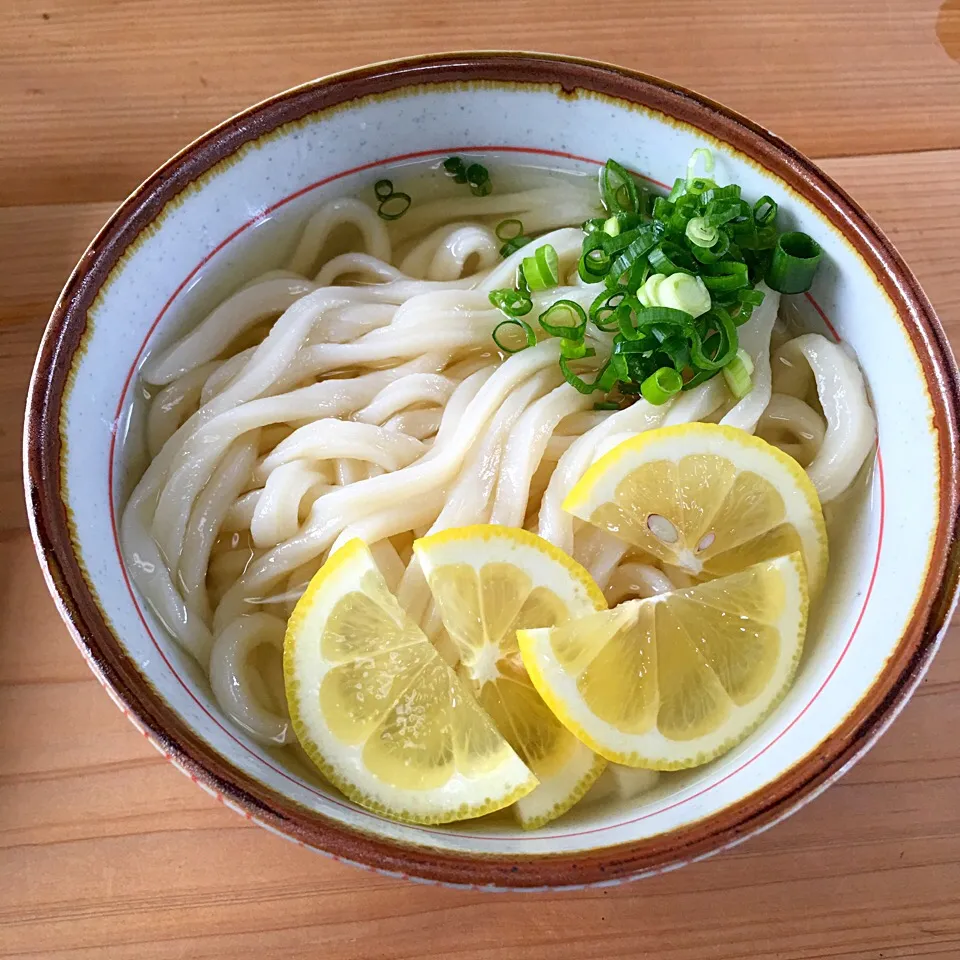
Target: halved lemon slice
378,710
675,680
710,500
488,582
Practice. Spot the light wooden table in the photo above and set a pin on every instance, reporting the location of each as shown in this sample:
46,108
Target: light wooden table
107,852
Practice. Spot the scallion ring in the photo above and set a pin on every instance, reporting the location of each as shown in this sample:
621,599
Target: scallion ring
383,189
394,206
513,303
575,320
795,260
542,270
529,336
618,189
661,386
765,211
509,229
698,231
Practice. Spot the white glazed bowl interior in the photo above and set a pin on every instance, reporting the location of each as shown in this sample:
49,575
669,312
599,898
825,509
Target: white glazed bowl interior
246,210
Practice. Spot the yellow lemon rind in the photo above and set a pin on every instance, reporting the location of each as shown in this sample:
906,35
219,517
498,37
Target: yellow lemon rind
352,552
532,642
436,547
575,794
583,499
487,532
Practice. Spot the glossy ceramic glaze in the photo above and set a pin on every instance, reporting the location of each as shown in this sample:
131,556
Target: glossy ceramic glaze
177,244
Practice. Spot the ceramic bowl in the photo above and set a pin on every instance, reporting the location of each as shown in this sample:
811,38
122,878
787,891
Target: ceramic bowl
180,239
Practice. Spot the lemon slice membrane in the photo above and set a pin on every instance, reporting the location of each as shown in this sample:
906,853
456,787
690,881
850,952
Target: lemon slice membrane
379,711
488,582
675,680
707,499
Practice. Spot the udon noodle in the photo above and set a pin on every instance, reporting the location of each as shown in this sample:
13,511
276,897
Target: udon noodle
358,393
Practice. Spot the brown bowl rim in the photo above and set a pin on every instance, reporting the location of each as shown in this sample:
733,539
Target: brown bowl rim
103,651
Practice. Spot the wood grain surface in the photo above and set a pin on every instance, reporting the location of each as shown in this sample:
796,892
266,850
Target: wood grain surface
107,852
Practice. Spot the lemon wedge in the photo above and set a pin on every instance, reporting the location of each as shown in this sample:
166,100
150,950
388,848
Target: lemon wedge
675,680
378,710
488,582
707,499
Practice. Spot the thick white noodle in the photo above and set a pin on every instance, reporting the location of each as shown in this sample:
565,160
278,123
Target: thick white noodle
331,216
276,516
173,404
231,476
229,669
234,316
634,579
851,425
793,426
755,340
525,448
258,472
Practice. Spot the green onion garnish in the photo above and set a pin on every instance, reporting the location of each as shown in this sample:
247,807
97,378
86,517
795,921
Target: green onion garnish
572,315
618,189
661,385
530,337
765,211
509,229
738,373
513,303
575,349
700,232
542,270
393,204
795,260
455,168
475,174
479,180
677,276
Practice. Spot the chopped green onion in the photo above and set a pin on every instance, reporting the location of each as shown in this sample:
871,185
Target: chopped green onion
661,386
669,258
456,168
726,275
738,373
512,246
605,306
383,189
509,229
753,297
648,293
394,206
594,262
683,292
700,232
606,405
765,211
479,180
575,320
529,336
611,227
795,260
725,338
542,270
618,189
575,349
707,156
514,303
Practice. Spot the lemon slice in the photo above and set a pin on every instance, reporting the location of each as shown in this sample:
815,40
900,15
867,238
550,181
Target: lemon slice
378,710
675,680
710,500
488,582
